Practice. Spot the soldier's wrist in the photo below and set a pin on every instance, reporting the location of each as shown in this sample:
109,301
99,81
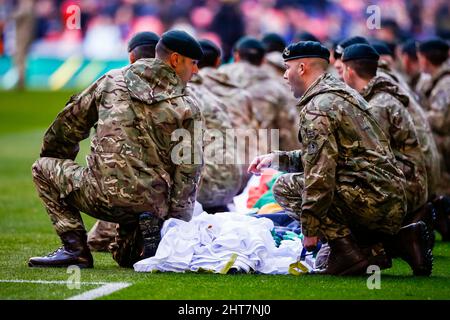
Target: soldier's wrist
310,232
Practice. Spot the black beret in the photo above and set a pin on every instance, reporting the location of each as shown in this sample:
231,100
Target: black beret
305,36
348,42
249,43
208,45
306,49
382,48
273,41
183,43
433,44
410,48
142,39
360,51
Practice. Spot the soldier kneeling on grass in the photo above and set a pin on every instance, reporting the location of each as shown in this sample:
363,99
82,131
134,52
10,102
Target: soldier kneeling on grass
103,233
130,178
343,185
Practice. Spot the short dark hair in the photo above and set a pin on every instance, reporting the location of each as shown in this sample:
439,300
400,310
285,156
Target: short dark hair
435,51
211,52
364,68
162,52
409,48
436,57
145,51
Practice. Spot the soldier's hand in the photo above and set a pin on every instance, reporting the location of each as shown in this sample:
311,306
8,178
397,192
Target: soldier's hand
259,163
310,243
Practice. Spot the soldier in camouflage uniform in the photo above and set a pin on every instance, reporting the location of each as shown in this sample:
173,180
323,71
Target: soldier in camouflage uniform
433,160
432,57
236,100
134,176
434,61
423,130
389,105
339,50
274,45
221,175
344,181
411,69
103,233
269,98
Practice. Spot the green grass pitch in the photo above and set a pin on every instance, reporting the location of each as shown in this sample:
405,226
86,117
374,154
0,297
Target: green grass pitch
25,230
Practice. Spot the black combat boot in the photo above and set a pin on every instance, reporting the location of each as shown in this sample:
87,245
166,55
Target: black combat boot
346,258
73,252
150,226
442,222
426,214
411,244
376,255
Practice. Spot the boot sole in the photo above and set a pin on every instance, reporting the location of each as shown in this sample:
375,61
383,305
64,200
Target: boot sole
427,269
81,266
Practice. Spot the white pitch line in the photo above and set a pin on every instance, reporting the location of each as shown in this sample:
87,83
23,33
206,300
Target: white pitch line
105,289
52,282
100,292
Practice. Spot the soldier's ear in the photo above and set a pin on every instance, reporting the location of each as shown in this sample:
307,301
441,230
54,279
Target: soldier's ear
131,57
174,59
236,56
301,68
218,62
350,71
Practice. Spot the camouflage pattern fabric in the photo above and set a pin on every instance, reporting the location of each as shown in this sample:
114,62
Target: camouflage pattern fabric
270,100
349,176
134,112
101,235
237,100
385,70
438,95
389,107
221,175
417,85
238,104
424,133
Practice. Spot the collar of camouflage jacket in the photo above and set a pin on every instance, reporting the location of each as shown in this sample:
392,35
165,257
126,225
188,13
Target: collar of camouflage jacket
380,84
217,76
442,71
152,81
246,74
383,65
326,83
197,79
275,58
386,70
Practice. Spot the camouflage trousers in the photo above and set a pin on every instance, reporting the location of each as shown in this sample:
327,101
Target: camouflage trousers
340,220
287,191
67,188
102,235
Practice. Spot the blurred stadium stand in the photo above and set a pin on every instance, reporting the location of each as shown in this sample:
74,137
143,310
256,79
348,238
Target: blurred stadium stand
61,57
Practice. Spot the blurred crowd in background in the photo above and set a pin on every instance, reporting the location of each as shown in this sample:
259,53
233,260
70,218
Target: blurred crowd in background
107,25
